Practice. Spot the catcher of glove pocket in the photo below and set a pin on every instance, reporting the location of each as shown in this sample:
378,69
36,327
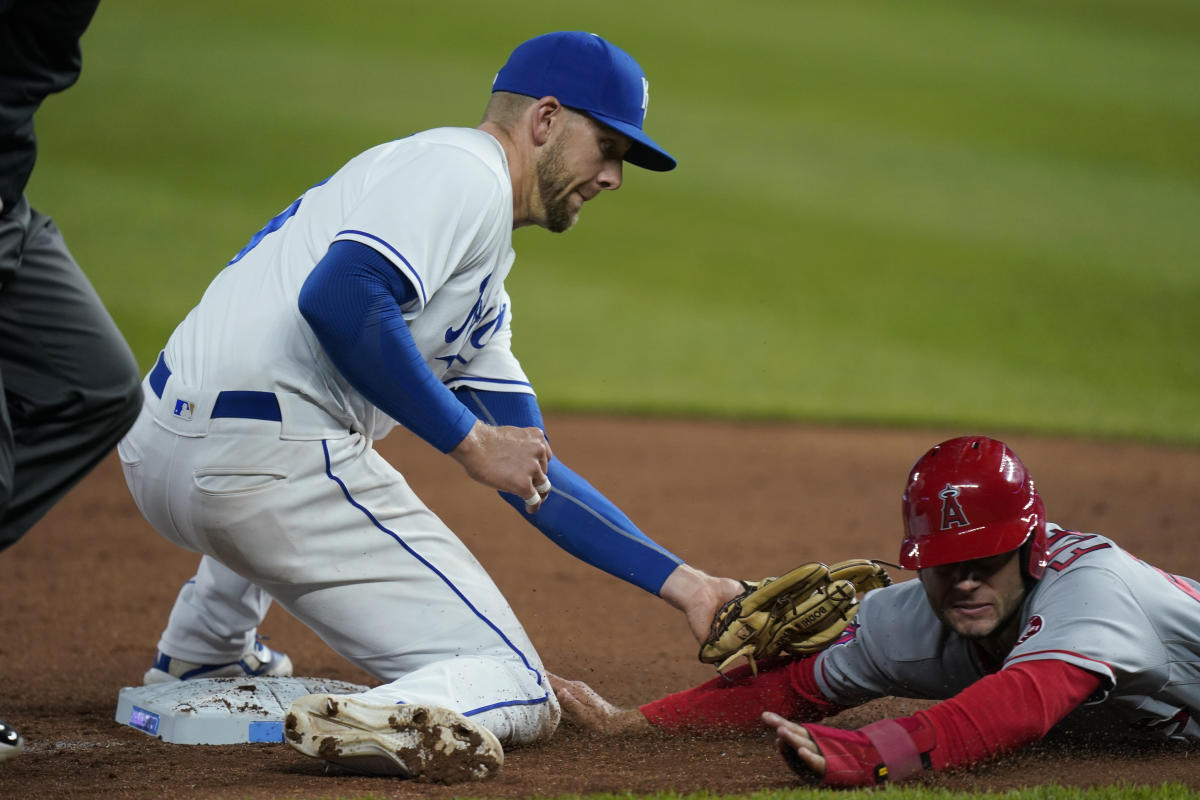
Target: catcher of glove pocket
799,613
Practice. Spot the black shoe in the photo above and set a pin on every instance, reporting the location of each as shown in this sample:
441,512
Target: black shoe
11,742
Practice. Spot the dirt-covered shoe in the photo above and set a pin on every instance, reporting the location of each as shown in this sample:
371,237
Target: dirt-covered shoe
259,660
427,743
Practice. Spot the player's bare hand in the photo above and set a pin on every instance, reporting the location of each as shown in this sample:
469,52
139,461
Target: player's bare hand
797,746
584,707
508,459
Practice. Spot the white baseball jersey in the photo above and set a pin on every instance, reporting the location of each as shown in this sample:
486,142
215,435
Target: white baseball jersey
438,205
1097,607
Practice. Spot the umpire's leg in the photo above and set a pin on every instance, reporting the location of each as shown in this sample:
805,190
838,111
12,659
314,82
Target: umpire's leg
71,384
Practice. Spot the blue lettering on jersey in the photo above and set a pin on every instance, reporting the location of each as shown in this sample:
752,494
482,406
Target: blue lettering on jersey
480,325
477,340
473,316
450,360
274,224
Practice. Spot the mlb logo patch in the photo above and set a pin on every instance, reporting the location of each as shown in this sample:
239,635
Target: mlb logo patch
184,408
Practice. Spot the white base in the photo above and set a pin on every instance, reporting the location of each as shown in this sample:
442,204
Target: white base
219,710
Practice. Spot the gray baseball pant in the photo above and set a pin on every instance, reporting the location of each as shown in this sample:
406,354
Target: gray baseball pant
71,386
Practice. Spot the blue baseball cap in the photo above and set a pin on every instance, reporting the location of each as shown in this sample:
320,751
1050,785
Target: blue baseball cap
588,74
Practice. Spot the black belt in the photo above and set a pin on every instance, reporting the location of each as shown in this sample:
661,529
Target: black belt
239,405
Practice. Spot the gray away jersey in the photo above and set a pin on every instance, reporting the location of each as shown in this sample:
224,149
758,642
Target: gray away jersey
1097,607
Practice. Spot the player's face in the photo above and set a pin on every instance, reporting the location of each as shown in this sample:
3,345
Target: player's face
976,598
575,166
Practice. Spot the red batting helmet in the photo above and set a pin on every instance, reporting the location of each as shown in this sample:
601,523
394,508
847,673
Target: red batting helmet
968,498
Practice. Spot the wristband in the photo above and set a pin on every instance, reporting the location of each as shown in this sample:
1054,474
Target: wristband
896,747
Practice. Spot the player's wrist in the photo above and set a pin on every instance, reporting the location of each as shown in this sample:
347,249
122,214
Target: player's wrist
471,444
887,751
687,587
698,595
850,757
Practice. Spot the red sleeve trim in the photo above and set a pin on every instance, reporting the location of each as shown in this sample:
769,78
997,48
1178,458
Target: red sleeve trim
1038,655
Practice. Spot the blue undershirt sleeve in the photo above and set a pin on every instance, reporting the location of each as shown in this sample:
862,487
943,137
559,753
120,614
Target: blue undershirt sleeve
352,301
576,516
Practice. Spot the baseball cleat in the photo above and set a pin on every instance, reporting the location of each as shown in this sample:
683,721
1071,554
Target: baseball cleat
11,743
258,661
426,743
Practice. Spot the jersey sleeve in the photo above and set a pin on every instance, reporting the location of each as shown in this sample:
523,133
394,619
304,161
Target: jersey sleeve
435,210
1089,617
351,301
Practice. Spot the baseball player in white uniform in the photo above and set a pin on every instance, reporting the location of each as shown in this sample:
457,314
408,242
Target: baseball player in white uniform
1013,623
377,298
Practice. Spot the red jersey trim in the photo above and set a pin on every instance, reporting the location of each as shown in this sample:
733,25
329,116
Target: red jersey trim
1057,654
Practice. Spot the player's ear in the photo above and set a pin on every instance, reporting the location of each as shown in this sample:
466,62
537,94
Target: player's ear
547,112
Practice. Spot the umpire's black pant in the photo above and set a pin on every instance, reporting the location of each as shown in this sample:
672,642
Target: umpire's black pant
71,384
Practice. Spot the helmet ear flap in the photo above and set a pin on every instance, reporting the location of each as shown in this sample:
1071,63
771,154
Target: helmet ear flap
1027,567
1034,549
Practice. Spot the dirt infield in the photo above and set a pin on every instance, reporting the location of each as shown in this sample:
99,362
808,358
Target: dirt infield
84,596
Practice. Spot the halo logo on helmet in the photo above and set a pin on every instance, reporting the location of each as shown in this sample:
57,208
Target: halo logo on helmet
952,513
986,477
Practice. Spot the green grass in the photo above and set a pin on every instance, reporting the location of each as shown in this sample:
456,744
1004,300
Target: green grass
924,213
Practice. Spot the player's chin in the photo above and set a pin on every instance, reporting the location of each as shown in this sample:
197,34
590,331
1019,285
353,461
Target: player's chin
972,625
572,207
561,219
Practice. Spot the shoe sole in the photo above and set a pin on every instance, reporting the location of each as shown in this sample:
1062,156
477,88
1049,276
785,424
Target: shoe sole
425,743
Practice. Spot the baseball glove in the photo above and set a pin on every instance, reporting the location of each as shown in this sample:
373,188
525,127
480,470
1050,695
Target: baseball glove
799,613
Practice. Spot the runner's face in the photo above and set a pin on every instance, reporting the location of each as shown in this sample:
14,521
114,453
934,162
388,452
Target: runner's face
976,598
